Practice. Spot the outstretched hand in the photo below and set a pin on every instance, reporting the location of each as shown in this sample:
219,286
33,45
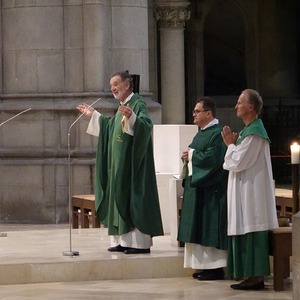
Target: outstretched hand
86,109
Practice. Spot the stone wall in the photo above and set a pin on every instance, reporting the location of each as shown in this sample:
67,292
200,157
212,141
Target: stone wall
56,54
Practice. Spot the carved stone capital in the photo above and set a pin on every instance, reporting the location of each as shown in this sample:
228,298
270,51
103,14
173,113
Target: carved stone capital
172,16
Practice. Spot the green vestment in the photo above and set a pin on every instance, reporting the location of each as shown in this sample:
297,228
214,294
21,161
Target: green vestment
125,184
254,128
203,218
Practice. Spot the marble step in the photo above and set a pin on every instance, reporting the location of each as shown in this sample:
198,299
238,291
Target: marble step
34,254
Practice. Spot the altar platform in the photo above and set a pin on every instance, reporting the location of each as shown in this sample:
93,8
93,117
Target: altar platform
34,254
32,266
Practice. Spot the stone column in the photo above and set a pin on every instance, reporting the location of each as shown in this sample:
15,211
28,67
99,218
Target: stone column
1,49
296,255
97,32
171,17
73,47
129,46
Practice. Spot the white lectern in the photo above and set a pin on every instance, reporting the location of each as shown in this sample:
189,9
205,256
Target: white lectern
169,141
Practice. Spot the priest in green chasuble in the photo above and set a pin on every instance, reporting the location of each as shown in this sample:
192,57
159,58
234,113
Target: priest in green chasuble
126,195
203,218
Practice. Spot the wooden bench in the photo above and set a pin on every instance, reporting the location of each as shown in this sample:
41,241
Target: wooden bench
284,203
280,241
86,204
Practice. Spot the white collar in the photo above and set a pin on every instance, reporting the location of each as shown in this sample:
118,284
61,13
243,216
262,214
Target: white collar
127,99
211,123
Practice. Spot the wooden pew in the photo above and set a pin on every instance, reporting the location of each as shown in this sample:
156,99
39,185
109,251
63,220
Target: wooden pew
280,241
86,204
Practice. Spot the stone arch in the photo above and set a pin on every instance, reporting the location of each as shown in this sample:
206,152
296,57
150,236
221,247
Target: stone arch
195,58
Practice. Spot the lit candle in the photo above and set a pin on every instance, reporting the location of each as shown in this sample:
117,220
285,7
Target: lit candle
295,153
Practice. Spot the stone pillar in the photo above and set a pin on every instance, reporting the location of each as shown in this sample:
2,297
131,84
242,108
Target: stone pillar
296,255
130,49
97,36
171,17
1,49
73,47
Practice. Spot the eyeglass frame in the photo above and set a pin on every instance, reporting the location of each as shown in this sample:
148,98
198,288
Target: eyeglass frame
197,111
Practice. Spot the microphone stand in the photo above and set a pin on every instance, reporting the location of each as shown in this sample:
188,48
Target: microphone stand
22,112
73,252
4,234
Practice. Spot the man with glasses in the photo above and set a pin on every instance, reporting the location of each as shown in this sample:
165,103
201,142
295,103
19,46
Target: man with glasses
203,218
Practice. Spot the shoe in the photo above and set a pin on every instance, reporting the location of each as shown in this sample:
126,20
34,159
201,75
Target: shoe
211,274
117,248
136,251
195,275
247,287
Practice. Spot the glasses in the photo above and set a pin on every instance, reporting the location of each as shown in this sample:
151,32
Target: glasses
197,111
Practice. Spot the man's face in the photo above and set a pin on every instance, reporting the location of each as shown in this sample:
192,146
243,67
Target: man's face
242,106
119,89
200,115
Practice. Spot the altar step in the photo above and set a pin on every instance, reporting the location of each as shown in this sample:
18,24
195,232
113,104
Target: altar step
34,254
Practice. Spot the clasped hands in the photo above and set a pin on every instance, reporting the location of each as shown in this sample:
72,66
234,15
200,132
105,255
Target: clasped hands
229,137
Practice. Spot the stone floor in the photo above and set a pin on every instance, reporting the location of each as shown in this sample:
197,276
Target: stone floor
32,266
184,288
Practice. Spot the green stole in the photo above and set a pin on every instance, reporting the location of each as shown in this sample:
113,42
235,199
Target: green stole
254,128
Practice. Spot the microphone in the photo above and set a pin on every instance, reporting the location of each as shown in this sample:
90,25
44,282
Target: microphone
4,234
22,112
73,252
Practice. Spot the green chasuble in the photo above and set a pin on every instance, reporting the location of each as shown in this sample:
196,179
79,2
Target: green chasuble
203,218
125,184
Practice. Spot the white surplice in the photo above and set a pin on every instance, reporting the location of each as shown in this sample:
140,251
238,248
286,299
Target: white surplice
251,190
201,257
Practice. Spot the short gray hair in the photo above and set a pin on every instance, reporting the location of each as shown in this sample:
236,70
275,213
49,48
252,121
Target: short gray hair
254,99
